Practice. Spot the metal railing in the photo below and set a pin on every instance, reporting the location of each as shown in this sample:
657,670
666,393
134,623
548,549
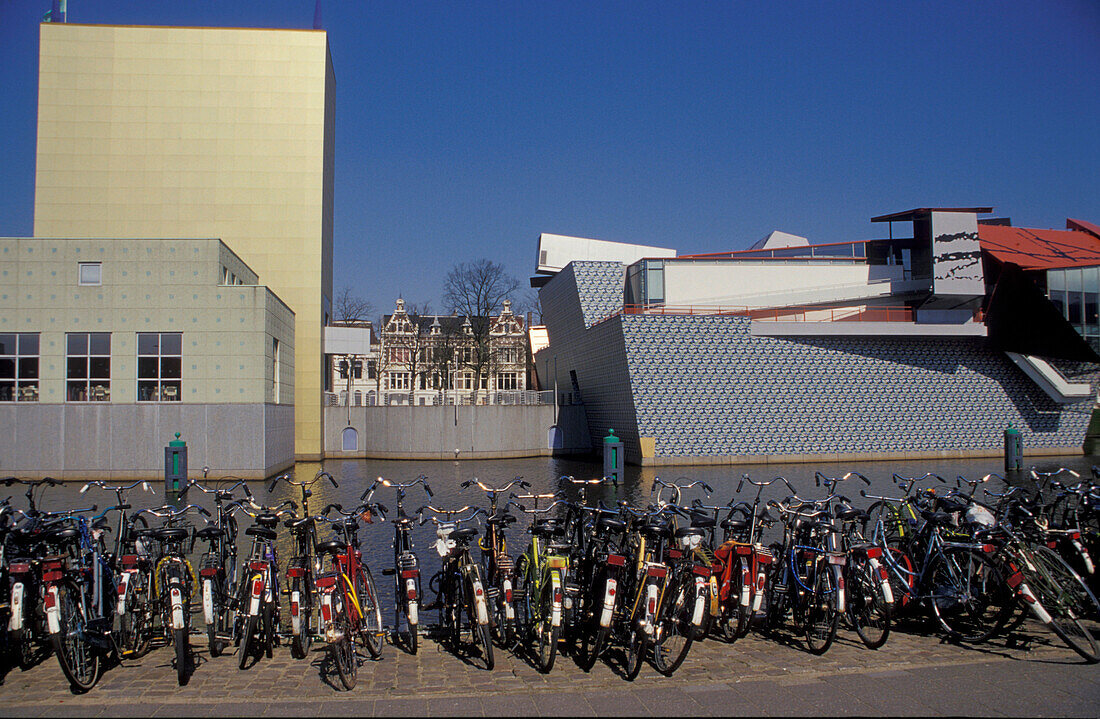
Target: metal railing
791,313
421,398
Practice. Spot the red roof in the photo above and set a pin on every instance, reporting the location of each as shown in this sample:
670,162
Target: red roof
1034,249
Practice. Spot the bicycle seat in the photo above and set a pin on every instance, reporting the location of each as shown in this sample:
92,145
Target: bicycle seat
610,524
850,513
332,546
735,525
267,520
298,525
690,531
261,532
208,533
501,519
656,531
559,547
63,535
464,535
544,526
947,504
937,518
141,532
697,520
170,534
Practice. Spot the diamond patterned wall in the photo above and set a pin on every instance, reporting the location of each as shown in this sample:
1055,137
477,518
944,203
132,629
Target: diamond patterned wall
703,386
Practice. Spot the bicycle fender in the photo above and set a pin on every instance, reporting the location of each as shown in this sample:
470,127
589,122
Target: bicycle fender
15,623
746,582
1033,604
700,602
555,588
257,592
123,591
479,602
884,580
841,597
208,600
758,596
413,612
53,612
509,610
611,589
295,613
1089,566
176,597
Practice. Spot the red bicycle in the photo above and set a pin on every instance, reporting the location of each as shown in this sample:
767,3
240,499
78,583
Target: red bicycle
351,613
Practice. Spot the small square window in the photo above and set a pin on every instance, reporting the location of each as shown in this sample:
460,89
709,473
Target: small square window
91,273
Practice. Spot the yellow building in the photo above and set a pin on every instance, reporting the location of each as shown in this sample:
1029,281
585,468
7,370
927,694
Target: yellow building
199,133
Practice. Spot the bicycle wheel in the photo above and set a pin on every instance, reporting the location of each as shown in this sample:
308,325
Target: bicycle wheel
343,649
821,615
301,642
593,635
968,595
247,640
546,634
183,655
1055,587
135,625
903,577
1080,598
521,600
635,651
269,623
867,607
371,627
674,630
79,660
409,608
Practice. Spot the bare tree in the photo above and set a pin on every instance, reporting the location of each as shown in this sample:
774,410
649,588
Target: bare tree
478,290
352,309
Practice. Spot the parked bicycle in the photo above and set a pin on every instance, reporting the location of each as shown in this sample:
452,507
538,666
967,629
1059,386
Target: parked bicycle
459,586
218,564
351,613
407,590
303,567
257,618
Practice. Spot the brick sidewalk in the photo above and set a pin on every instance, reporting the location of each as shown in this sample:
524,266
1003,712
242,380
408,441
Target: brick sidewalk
912,674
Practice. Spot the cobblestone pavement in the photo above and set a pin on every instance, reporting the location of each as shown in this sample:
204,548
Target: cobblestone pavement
915,674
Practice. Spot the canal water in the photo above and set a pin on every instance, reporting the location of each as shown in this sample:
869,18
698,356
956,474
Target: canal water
445,478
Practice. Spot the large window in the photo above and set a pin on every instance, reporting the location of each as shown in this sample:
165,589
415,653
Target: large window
507,380
88,367
19,367
399,380
160,365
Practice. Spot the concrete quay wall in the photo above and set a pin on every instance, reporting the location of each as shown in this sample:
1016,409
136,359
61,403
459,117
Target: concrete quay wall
111,440
452,432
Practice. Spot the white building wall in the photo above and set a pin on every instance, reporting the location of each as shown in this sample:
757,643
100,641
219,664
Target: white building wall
763,284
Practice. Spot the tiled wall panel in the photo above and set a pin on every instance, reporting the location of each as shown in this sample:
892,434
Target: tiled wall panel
703,386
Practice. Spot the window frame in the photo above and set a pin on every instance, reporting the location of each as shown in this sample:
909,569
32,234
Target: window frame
162,381
22,359
83,383
80,267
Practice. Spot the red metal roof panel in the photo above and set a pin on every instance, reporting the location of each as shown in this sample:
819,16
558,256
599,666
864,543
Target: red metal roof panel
1034,249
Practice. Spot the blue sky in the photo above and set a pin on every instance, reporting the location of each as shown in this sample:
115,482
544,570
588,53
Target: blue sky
464,129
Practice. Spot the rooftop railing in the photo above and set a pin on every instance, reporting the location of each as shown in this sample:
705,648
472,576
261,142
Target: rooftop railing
791,313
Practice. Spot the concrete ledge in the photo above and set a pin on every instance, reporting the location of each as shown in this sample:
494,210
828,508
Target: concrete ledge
831,457
769,328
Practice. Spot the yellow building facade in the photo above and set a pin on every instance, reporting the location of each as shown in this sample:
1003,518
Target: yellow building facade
205,133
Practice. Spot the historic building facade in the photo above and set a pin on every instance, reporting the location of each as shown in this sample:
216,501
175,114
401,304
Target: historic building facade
423,359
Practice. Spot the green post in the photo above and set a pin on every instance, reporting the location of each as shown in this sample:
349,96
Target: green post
175,466
612,456
1014,449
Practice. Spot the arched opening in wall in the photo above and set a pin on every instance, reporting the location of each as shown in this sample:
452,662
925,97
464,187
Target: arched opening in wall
349,439
358,398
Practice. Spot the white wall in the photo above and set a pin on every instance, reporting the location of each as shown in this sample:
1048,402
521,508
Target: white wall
561,250
762,284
